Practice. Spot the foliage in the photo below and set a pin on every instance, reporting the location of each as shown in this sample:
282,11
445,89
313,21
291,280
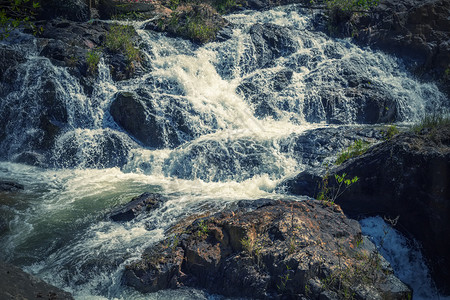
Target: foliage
431,122
390,132
351,5
329,194
358,148
92,60
202,229
120,40
16,13
224,6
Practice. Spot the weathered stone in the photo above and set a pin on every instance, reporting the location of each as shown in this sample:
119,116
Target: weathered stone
16,284
407,176
271,42
280,249
75,10
138,205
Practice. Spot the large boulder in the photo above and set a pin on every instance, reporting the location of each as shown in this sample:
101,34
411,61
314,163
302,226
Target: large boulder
74,10
16,284
270,42
407,176
100,148
280,250
158,121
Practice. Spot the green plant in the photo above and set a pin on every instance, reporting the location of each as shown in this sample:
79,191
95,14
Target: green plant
390,132
202,229
16,13
224,6
329,194
120,40
358,148
351,5
92,60
431,122
284,279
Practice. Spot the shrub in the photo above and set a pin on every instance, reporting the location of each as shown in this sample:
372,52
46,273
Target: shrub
120,40
390,132
92,59
329,194
16,13
351,5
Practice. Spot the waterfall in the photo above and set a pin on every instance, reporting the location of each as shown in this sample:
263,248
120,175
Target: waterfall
216,123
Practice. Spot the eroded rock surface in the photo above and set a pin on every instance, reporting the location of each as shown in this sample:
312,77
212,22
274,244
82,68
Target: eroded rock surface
298,250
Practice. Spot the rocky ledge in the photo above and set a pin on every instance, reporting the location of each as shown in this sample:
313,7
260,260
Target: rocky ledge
16,284
269,249
407,176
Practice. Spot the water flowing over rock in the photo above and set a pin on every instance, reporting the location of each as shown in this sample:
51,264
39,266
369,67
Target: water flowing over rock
281,249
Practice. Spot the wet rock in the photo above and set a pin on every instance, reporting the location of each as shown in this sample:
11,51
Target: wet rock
232,160
143,203
9,58
102,148
282,249
158,121
357,100
317,147
407,176
271,42
10,186
412,29
263,92
74,10
16,284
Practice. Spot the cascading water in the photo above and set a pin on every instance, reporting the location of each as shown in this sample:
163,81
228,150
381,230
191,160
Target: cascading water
227,118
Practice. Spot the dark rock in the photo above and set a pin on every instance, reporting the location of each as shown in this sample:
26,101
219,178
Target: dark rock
370,102
317,147
263,92
16,284
10,186
32,158
271,42
9,58
74,10
156,120
144,203
237,159
407,176
92,149
281,249
414,29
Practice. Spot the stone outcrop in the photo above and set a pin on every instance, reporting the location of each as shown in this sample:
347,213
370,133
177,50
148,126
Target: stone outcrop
16,284
414,29
407,176
138,205
278,250
74,10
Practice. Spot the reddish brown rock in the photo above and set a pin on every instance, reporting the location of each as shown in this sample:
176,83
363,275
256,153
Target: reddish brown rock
293,249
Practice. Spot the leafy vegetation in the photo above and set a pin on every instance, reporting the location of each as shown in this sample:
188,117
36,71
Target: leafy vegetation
390,132
351,5
329,194
92,60
16,13
120,40
358,148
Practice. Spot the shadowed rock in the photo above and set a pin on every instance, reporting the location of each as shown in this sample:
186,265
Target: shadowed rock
138,205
